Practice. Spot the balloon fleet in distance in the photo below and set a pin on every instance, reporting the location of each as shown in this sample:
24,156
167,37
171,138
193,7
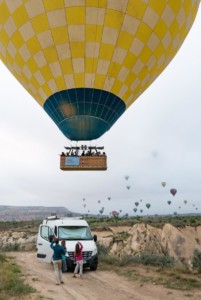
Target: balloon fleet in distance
86,63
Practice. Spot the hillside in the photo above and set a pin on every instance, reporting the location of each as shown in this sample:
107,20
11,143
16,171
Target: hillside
27,213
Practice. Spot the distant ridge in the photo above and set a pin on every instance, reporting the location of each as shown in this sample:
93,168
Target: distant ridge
28,213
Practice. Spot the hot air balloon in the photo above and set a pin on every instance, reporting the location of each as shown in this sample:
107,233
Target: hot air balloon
148,205
134,209
126,177
141,210
115,213
136,203
173,192
185,201
99,201
86,63
163,183
128,187
109,198
169,202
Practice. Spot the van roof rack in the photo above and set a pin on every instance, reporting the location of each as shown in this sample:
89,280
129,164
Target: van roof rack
53,217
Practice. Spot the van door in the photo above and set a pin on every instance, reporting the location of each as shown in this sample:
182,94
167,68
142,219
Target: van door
44,252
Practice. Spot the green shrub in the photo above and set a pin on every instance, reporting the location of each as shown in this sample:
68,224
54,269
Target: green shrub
2,257
197,260
147,258
11,247
102,250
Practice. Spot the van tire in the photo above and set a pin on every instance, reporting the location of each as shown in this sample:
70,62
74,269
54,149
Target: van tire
93,268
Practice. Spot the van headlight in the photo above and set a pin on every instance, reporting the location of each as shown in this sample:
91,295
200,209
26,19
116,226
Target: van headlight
94,252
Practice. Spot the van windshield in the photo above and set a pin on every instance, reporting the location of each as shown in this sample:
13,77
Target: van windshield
74,233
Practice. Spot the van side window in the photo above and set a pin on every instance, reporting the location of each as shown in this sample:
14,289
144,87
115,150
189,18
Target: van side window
44,232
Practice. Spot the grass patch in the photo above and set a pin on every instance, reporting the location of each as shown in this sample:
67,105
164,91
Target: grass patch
11,280
152,268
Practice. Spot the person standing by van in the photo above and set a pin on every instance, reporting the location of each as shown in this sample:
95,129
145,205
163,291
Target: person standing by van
78,259
57,259
64,264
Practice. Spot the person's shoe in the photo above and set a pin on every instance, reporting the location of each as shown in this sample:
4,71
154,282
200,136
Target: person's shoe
62,282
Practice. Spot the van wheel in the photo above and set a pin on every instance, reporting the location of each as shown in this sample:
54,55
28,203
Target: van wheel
93,268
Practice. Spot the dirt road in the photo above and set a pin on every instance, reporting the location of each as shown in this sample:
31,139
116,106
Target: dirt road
97,285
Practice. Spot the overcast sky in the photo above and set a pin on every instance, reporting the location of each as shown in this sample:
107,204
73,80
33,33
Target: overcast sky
157,139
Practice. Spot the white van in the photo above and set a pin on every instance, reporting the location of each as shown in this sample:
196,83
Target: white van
71,230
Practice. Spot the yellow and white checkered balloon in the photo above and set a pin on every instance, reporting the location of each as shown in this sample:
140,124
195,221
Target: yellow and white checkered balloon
86,61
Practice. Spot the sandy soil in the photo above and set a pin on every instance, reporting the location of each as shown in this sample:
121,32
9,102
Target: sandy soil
97,285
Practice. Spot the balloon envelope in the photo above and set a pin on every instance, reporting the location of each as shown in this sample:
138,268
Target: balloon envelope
173,192
163,183
86,62
115,213
148,205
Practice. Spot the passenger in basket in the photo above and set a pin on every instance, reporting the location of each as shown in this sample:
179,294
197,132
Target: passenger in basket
78,259
57,259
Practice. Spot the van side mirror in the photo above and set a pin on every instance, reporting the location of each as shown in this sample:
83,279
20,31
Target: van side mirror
95,238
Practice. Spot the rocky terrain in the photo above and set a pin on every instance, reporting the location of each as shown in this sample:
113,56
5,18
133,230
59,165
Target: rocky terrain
179,243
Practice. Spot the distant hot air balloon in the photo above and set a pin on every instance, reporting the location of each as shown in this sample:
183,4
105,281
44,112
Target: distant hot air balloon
86,62
134,209
136,203
128,187
148,205
109,198
115,213
173,192
141,210
185,201
169,202
126,177
83,199
99,201
163,183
